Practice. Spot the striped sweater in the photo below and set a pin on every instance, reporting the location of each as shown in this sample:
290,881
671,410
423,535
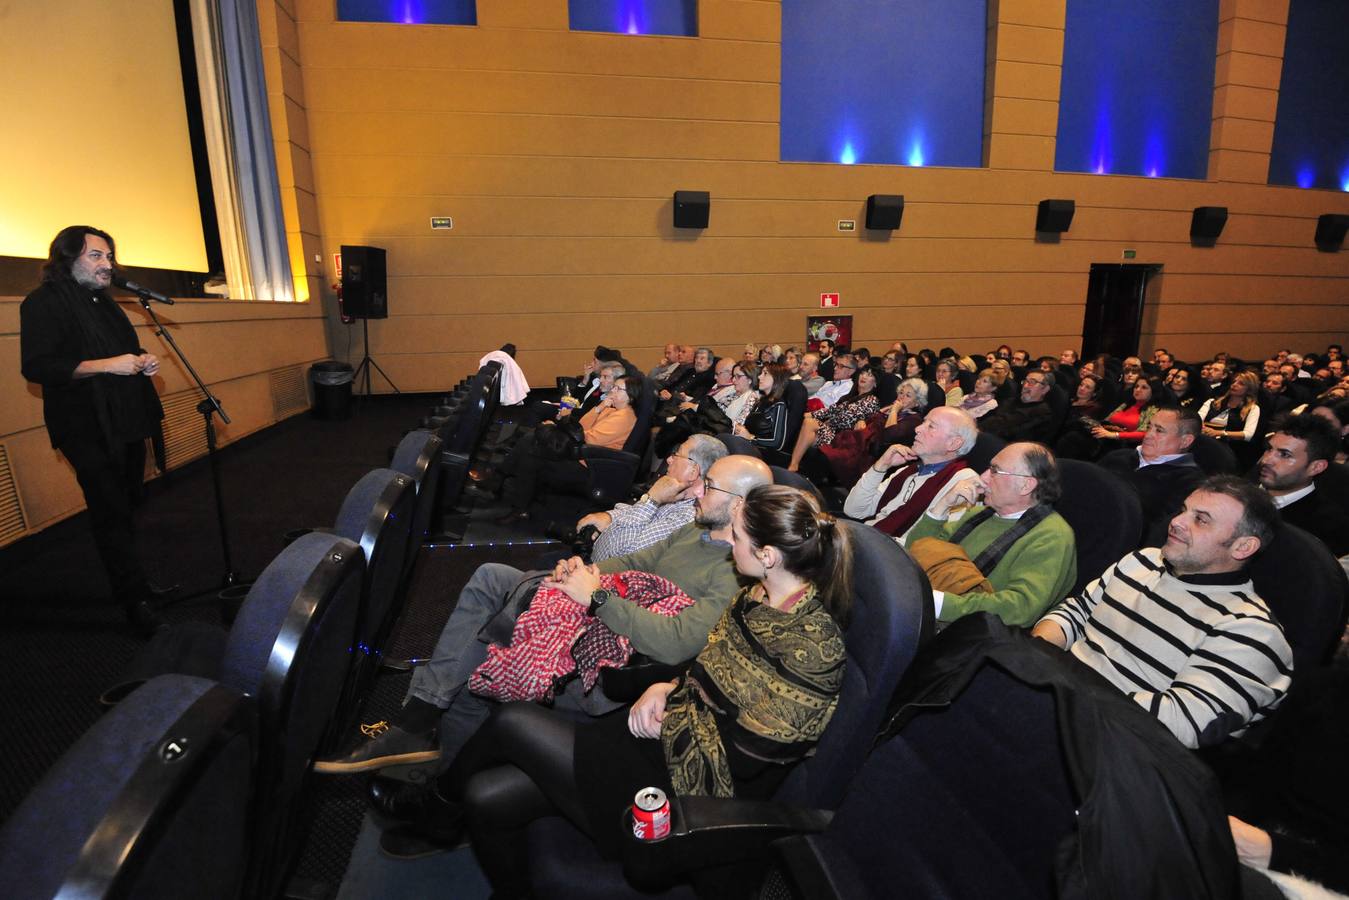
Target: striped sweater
1202,653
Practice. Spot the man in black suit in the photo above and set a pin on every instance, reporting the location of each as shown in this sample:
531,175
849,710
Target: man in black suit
1161,469
1028,417
98,399
1301,448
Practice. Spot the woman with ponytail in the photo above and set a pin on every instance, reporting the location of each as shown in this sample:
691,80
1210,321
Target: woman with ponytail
754,703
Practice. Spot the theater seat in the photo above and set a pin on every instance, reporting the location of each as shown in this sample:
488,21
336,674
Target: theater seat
418,457
1306,590
892,616
153,801
1105,516
986,446
1213,456
1013,771
290,647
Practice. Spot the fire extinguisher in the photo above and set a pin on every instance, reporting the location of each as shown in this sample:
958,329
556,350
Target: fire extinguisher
341,310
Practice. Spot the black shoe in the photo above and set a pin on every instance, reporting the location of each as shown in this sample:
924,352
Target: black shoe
442,829
398,799
145,619
389,746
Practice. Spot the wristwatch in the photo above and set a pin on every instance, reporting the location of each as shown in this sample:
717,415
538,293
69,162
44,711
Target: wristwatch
598,598
642,499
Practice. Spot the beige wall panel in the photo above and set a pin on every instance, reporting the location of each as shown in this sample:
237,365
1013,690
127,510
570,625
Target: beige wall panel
1015,116
1040,13
426,90
297,124
46,481
1275,11
550,14
469,295
357,45
1251,319
1236,290
1249,69
396,133
1254,36
1245,346
1020,43
287,34
1238,165
1245,102
1242,134
23,405
740,20
292,81
1021,151
1028,81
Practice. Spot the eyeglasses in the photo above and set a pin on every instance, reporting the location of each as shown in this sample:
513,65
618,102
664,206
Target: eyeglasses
999,471
679,456
845,366
1035,382
709,486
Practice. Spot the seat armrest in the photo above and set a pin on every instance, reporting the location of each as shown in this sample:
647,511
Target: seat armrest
625,684
611,474
713,831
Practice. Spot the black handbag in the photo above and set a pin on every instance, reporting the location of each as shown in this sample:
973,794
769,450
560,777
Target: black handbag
561,441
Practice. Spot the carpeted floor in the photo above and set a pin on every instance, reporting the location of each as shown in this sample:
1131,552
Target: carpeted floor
62,642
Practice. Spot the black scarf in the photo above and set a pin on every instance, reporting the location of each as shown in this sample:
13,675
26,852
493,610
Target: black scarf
127,406
987,561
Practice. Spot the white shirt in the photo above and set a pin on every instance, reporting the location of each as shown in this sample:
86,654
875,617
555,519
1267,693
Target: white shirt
1292,496
833,391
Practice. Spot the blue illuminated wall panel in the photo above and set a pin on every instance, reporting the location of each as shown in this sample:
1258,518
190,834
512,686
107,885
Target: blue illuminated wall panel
1136,96
678,17
409,12
1311,130
883,81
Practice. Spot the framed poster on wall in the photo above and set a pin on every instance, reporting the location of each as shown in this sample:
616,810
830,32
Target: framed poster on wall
828,328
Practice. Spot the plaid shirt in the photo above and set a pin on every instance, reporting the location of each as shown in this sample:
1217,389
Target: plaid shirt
640,525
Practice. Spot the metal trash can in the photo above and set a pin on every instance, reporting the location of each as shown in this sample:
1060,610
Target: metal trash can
332,389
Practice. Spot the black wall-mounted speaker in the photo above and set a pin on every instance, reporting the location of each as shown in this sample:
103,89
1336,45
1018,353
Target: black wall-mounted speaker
884,211
1054,216
691,209
1207,222
365,291
1330,231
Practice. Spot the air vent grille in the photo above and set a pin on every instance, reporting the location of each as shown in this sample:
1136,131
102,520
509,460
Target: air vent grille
289,394
12,522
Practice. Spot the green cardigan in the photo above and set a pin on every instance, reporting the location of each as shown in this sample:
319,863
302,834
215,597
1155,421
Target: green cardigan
1036,573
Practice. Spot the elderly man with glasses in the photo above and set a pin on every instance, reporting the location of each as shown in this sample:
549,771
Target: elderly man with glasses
1009,554
1027,417
833,391
666,507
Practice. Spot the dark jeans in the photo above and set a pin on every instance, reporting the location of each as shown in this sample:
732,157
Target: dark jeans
113,481
528,470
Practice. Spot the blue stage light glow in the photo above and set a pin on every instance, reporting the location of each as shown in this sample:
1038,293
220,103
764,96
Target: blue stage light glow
1101,139
409,12
915,157
1153,154
1311,125
1306,176
1344,178
636,17
847,155
409,16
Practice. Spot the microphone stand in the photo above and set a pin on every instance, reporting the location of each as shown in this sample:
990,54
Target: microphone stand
209,407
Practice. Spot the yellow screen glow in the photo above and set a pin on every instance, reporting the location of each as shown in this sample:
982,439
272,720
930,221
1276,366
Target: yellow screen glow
95,130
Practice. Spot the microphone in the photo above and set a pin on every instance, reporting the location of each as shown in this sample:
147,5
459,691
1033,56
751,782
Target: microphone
143,291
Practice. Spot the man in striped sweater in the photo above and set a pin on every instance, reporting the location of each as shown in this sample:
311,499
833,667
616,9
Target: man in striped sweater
1181,629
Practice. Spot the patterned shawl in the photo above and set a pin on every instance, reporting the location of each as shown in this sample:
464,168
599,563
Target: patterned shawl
766,685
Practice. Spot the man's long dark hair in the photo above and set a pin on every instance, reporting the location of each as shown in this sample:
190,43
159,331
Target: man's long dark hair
66,248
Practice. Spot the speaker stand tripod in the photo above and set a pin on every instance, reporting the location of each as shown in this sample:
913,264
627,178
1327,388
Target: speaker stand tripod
368,363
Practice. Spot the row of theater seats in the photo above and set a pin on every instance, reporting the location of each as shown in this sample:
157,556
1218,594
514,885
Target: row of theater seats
195,784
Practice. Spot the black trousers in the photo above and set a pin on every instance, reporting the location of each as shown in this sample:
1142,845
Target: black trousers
529,470
113,482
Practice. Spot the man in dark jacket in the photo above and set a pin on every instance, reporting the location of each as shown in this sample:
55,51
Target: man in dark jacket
1028,417
1161,470
97,399
1301,448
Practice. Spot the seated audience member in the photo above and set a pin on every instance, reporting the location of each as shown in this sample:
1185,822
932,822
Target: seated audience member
695,382
669,362
1126,424
745,378
890,363
1234,417
1013,556
766,423
755,701
666,506
906,413
1088,399
948,379
839,386
438,715
607,425
769,353
892,499
1162,361
982,400
1337,414
1029,417
808,373
1190,392
1068,358
791,358
1301,448
1003,378
1273,399
825,350
1161,469
589,388
1216,378
1020,363
913,367
1181,629
705,416
849,411
1131,372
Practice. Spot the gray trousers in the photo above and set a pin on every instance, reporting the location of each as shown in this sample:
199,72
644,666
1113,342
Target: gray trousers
459,651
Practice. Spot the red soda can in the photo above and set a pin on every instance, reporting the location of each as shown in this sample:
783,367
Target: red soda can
650,815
